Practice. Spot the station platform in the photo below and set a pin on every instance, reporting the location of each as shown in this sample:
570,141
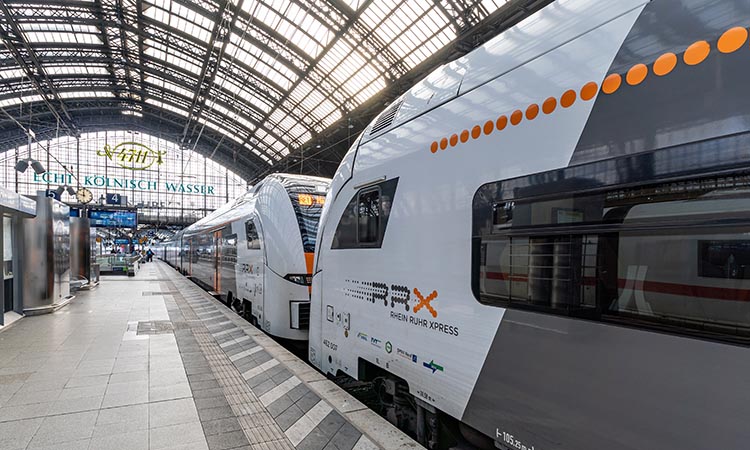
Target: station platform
154,362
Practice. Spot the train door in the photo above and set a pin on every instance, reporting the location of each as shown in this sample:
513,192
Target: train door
217,261
254,270
227,259
190,253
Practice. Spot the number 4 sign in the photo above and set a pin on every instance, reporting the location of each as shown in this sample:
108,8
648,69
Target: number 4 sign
114,199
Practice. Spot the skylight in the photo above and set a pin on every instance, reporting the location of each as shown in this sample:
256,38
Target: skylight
270,75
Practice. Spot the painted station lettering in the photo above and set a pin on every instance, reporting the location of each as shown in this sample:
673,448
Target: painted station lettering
99,181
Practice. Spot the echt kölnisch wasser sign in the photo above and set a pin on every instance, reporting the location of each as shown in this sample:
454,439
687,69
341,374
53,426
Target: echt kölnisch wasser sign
99,181
128,155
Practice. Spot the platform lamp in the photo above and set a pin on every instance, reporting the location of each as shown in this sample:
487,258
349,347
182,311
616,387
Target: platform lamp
59,191
23,164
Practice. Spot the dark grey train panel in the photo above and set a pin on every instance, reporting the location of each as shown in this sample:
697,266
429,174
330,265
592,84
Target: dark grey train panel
692,103
610,387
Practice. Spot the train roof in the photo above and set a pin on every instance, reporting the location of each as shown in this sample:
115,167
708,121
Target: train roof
531,38
245,203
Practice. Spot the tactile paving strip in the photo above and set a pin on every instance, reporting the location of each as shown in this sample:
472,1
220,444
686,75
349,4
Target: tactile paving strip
257,424
225,403
271,406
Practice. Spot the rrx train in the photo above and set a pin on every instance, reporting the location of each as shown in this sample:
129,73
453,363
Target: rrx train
544,244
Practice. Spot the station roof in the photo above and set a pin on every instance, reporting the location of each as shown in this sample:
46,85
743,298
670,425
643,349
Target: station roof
250,83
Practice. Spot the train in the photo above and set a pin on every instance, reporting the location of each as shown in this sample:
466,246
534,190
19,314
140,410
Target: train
255,252
541,245
544,244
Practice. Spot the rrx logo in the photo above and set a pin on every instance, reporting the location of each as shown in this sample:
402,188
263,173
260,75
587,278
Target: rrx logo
400,295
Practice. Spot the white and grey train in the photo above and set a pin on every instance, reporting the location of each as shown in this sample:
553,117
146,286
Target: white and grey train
256,253
545,244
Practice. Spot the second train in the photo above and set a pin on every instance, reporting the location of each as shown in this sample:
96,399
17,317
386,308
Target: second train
256,252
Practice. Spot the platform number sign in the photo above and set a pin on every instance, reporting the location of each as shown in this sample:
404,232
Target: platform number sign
114,199
52,193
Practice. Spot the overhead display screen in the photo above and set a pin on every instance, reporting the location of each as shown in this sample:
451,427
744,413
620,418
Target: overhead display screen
113,219
311,199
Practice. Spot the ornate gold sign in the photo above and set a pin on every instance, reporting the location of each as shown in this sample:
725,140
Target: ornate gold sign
132,155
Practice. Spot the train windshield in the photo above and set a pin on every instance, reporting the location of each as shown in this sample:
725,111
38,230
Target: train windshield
307,208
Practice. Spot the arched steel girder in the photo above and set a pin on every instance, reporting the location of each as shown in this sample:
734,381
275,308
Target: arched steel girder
126,29
85,83
93,116
270,92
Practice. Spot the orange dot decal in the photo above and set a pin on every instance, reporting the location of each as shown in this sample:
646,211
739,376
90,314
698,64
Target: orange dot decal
568,98
665,64
443,143
516,117
476,131
636,74
732,40
532,111
464,136
612,83
589,90
454,140
489,127
697,53
501,123
434,147
549,105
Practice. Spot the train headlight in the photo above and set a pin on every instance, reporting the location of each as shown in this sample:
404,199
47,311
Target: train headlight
301,279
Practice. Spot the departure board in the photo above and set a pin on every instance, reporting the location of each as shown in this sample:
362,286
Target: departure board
113,218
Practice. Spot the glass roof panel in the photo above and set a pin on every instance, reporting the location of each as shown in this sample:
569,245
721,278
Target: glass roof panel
231,85
86,94
72,70
175,15
226,132
174,57
162,83
19,100
255,58
167,106
279,72
353,4
60,37
11,72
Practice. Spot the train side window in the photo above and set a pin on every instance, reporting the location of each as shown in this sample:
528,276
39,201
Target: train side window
670,256
368,217
502,214
253,239
724,259
229,248
364,220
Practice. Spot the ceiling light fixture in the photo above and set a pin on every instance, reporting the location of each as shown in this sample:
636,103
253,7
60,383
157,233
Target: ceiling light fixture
38,167
23,164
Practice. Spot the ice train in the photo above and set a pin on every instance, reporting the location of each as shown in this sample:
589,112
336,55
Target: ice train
255,253
545,244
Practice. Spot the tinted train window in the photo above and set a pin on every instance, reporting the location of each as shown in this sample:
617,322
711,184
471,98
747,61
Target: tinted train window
724,259
229,249
368,216
307,208
253,239
669,256
365,218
